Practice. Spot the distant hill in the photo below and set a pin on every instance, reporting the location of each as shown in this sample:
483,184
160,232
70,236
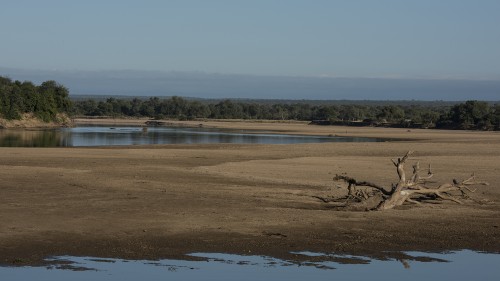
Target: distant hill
218,86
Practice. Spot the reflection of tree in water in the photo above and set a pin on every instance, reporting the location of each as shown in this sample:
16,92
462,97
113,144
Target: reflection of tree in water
43,138
46,139
103,135
9,140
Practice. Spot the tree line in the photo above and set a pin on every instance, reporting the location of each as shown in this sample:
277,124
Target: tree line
45,101
469,115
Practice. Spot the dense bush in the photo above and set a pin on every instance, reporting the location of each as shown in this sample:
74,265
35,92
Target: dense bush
44,101
50,98
468,115
476,115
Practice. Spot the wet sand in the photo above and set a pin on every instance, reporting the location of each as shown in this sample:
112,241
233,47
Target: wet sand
163,201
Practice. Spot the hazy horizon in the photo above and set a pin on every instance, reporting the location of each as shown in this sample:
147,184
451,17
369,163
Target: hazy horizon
323,49
215,85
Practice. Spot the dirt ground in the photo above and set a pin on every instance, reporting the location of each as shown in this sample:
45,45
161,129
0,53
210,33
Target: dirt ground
163,201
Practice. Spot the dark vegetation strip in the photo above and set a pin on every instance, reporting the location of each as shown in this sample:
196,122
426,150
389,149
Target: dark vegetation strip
45,101
50,98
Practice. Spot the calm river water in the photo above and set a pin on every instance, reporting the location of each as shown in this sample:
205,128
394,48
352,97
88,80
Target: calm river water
456,266
104,136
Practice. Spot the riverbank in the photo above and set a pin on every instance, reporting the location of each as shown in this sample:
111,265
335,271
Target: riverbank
28,120
163,201
304,128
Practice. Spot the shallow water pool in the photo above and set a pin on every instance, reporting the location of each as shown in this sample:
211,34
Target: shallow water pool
462,265
107,136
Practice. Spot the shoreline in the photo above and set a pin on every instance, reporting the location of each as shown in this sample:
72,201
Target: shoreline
165,201
304,128
29,121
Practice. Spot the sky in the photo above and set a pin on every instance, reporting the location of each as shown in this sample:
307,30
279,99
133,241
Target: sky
429,39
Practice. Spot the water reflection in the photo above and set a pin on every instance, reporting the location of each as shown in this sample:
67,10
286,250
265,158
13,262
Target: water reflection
463,265
29,138
104,136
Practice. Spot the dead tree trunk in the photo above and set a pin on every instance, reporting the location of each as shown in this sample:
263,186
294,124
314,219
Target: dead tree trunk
411,190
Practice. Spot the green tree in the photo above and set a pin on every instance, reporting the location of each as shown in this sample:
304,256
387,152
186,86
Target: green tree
391,113
197,110
471,115
325,112
227,110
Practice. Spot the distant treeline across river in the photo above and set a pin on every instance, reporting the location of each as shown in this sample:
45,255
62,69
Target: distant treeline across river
49,99
478,115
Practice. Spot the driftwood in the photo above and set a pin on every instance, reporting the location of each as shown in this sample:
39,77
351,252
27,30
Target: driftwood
412,189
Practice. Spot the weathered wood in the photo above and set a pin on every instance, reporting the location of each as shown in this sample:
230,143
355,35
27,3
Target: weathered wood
353,182
412,190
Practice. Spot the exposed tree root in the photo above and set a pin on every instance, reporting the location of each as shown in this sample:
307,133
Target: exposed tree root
412,190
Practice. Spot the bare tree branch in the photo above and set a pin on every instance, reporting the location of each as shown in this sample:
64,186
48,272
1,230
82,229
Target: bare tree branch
413,190
354,182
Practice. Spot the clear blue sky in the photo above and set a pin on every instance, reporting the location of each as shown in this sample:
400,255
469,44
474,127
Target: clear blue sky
354,38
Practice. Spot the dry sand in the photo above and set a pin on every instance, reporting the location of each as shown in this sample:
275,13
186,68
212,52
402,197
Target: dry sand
168,200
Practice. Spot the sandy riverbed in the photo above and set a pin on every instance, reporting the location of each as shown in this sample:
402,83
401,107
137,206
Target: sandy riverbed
168,200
